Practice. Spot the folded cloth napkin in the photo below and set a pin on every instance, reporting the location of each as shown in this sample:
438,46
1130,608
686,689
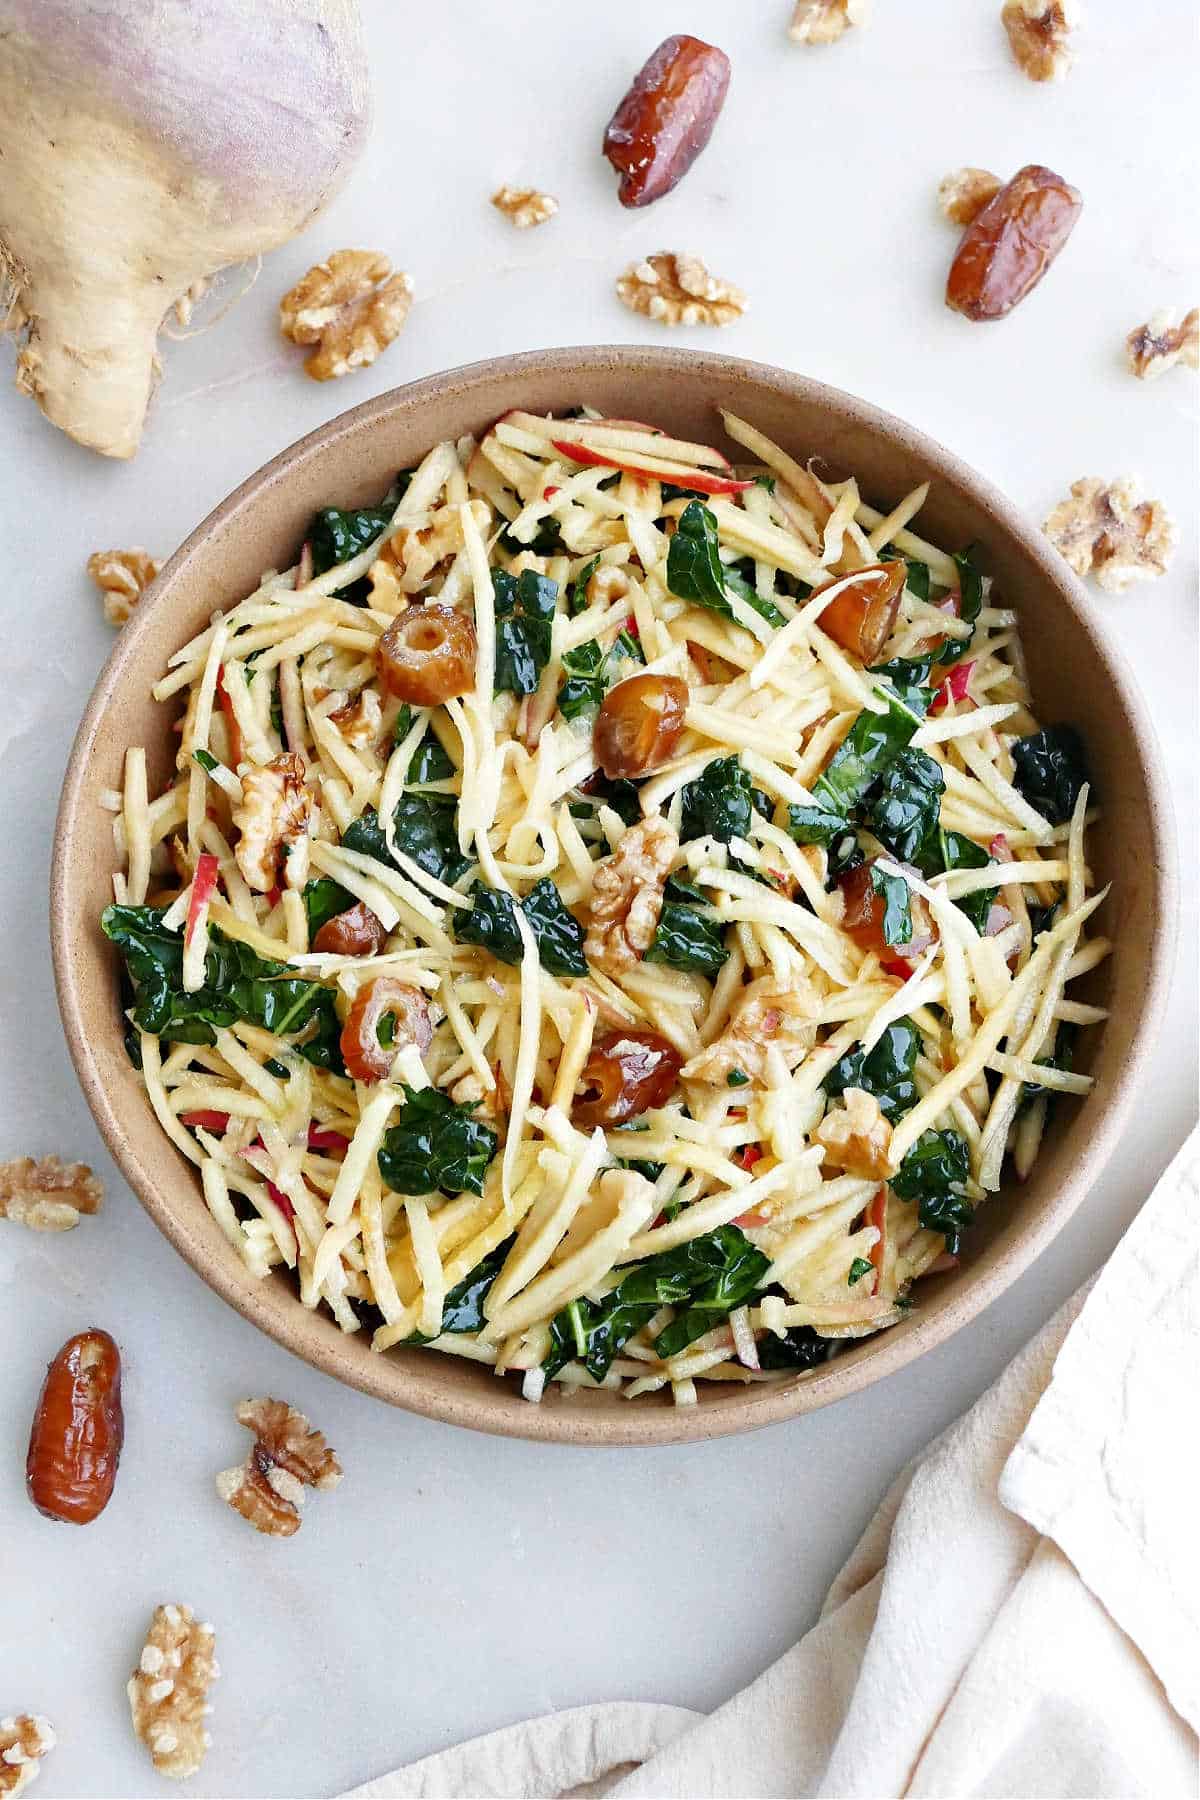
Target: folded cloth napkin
1021,1617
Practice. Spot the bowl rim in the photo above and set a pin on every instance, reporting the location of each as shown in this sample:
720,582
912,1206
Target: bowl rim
391,1380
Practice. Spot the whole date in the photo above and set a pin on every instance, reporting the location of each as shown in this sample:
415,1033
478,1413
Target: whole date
1008,247
666,118
78,1430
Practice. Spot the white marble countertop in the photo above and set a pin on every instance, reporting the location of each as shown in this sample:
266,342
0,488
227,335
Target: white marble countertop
455,1583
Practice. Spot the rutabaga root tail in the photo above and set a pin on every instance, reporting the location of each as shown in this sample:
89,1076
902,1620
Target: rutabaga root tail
92,374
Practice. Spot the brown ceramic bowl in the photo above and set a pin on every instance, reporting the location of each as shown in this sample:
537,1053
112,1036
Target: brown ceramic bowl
1075,673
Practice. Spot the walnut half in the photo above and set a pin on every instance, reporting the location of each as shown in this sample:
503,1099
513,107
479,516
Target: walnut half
168,1691
627,896
351,307
1104,530
287,1456
272,819
1160,343
24,1740
824,21
122,577
47,1195
678,290
1039,32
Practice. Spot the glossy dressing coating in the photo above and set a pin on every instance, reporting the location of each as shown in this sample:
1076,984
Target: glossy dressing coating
78,1430
666,118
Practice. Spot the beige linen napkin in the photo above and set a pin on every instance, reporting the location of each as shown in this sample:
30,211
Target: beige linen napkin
1021,1617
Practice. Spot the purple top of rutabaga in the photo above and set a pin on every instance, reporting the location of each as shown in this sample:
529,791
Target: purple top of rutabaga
271,96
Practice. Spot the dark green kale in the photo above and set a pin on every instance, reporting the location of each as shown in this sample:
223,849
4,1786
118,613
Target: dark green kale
718,803
872,743
1062,1056
557,933
336,535
238,985
896,895
799,1348
425,829
577,599
525,606
688,936
970,603
815,825
586,682
711,1274
959,852
935,1173
916,578
435,1144
546,540
619,795
323,900
1051,767
904,811
862,1265
462,1309
885,1070
695,571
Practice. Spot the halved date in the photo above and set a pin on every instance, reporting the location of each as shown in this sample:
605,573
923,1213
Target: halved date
78,1430
666,118
1008,247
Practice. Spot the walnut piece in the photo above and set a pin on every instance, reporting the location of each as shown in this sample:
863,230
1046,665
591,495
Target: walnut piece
351,307
627,896
824,21
678,290
963,194
419,553
360,721
24,1740
272,818
122,577
1104,530
168,1691
1039,32
1160,343
524,206
765,1017
47,1195
856,1136
287,1456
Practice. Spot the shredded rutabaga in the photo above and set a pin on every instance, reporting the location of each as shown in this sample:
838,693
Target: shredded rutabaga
687,1069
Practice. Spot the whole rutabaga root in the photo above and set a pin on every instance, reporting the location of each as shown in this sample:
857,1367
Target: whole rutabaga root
143,146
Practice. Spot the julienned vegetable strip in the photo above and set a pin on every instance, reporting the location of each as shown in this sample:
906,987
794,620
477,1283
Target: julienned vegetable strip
591,951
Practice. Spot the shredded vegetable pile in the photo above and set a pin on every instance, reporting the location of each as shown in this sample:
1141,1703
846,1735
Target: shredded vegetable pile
614,912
